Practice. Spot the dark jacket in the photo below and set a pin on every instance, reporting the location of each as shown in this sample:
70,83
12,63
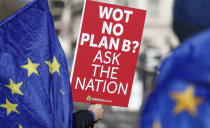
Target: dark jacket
83,119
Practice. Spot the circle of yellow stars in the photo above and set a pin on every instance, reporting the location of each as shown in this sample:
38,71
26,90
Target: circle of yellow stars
31,68
185,101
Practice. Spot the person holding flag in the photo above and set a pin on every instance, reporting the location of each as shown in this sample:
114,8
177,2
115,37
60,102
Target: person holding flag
182,95
34,80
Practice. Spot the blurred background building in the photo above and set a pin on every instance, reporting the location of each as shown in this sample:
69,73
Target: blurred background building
157,42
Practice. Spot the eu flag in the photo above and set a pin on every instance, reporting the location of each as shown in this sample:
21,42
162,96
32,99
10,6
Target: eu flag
34,80
182,96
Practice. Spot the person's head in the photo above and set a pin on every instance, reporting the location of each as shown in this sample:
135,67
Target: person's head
8,7
190,17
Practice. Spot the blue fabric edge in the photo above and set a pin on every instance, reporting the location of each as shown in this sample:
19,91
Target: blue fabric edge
93,115
18,12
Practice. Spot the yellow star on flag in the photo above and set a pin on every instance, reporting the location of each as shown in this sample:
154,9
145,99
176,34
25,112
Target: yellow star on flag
156,124
31,67
62,92
20,126
54,66
10,107
15,88
186,101
50,67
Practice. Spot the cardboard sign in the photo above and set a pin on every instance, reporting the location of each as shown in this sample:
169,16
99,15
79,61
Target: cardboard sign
106,54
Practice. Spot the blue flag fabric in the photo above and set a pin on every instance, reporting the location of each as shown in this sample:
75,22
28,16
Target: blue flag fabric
34,81
182,96
190,17
189,12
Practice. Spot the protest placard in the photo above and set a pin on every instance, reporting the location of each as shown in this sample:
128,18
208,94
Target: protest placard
106,53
